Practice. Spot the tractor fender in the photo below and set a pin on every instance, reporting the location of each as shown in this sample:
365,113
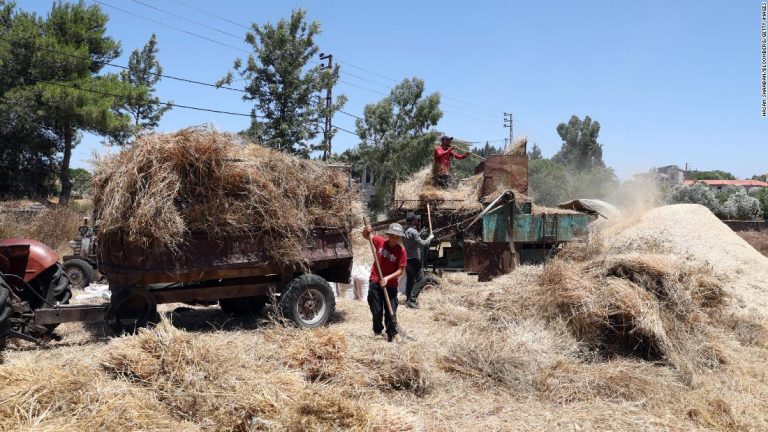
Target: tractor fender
41,257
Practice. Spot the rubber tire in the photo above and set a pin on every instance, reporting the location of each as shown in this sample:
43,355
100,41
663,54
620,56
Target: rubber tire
297,287
120,297
87,271
5,308
54,284
243,305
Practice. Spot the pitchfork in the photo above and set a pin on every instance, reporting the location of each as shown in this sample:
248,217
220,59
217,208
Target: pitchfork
391,312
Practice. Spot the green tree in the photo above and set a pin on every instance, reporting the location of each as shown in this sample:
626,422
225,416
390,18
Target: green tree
761,177
740,206
284,91
709,175
535,153
81,181
548,182
762,197
596,182
396,136
144,70
64,93
580,150
697,193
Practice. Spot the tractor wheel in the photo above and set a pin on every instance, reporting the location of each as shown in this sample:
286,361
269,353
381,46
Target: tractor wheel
80,273
53,284
308,301
243,306
130,308
5,308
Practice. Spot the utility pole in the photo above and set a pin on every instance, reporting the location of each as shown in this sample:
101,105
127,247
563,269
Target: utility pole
328,109
508,124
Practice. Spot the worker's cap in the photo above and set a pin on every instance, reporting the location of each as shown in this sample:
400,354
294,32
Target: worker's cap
410,217
395,229
446,138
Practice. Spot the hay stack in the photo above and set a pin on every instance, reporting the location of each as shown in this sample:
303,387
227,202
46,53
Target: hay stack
691,231
518,147
198,179
420,188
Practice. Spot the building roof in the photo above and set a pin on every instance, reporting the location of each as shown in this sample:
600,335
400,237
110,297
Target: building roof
745,183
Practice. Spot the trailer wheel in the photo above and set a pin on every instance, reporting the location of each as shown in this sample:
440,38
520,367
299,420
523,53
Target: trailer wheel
130,308
308,301
80,273
244,305
5,308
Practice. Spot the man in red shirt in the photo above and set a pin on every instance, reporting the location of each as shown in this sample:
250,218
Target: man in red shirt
443,154
392,259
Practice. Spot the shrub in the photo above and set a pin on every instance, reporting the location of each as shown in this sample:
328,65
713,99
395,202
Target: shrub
697,193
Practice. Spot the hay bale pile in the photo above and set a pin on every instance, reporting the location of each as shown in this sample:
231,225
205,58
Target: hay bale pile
198,179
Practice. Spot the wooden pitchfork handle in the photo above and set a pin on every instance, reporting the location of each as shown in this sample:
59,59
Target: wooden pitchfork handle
429,218
381,275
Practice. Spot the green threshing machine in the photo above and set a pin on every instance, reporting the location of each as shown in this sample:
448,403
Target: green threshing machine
505,231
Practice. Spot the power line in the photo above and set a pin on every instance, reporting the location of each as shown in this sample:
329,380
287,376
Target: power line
347,131
170,26
248,52
213,15
173,77
351,115
171,104
248,28
240,38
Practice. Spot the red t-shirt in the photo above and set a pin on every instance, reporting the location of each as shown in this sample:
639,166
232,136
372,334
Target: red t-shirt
443,159
391,258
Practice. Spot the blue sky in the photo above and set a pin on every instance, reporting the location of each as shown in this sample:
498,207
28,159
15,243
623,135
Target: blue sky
670,82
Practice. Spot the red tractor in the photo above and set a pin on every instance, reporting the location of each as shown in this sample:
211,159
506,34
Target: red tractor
30,278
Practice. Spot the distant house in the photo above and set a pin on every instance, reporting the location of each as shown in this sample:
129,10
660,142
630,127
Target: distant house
367,185
721,185
671,175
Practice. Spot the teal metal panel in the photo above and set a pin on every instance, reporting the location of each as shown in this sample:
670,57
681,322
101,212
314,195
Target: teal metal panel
549,225
571,226
523,207
496,224
526,228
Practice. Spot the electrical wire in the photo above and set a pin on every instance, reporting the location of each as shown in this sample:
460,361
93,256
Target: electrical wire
240,38
172,77
170,26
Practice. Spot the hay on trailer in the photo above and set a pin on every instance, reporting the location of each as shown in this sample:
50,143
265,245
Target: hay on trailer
420,189
198,179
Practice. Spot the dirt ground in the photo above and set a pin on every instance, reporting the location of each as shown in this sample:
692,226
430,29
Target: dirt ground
758,240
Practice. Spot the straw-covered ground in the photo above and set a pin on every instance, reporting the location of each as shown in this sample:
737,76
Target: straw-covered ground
638,330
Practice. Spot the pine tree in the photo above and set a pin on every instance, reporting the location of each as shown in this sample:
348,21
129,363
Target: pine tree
144,70
63,94
285,93
535,153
